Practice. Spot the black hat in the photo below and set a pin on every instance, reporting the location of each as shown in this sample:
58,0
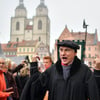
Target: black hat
69,43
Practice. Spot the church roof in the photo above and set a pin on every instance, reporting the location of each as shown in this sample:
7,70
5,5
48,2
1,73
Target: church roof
21,5
28,43
10,46
42,5
67,35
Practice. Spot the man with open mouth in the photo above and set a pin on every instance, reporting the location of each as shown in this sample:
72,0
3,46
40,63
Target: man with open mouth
68,79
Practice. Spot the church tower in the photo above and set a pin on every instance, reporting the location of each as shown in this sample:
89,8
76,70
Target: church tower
18,23
22,29
41,27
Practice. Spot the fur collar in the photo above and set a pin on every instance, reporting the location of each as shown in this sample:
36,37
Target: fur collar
74,68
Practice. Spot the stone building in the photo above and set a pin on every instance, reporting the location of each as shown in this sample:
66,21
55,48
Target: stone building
92,44
37,28
29,36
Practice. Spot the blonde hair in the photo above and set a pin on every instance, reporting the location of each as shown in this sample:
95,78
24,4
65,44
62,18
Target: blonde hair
24,71
8,63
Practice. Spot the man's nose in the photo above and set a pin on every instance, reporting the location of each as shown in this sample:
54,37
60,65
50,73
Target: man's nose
63,52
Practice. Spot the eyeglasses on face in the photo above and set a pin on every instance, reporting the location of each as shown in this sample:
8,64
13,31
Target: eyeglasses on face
2,63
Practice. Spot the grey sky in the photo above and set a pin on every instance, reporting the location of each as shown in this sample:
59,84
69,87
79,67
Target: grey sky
61,13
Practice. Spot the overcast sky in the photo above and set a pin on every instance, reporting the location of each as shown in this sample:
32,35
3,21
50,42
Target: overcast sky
61,13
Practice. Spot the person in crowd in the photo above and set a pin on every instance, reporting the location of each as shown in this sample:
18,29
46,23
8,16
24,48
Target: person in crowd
16,68
5,92
10,79
22,78
68,79
47,62
97,72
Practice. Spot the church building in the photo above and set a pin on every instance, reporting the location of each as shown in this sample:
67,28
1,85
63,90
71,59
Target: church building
37,28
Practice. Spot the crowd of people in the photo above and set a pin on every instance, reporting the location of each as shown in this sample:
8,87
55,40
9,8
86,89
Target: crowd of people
13,77
67,79
9,81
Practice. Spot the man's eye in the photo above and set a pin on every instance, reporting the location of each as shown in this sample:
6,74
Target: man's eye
61,49
67,50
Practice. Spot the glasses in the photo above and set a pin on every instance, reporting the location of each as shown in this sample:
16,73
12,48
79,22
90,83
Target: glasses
2,63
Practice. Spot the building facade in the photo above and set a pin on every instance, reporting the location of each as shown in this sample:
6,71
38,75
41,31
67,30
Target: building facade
37,28
92,49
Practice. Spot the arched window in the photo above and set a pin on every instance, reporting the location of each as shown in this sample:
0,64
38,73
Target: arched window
17,25
39,38
39,24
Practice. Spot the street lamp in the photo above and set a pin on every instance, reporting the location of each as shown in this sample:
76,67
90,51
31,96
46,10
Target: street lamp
85,26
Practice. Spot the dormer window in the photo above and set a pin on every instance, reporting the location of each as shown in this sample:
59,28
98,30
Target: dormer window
15,46
8,45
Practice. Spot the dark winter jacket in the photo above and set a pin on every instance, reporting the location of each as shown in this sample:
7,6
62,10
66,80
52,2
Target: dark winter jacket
97,77
12,83
21,81
80,85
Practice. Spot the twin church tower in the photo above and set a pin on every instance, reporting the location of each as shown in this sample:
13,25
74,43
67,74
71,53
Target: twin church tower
37,28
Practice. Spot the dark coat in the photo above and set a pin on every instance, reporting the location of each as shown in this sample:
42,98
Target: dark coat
21,81
97,77
12,83
80,85
26,93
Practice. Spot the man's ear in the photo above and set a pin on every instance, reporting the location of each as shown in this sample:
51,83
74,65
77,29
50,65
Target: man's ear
75,53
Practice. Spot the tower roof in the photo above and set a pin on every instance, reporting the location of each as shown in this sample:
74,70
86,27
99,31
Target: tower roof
66,34
42,5
21,5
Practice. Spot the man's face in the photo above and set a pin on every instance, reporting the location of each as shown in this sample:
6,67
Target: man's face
47,63
66,54
2,64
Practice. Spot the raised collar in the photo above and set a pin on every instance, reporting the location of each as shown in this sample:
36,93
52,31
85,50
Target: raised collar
74,67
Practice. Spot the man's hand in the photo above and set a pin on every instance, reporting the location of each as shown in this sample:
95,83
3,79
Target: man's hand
8,89
35,58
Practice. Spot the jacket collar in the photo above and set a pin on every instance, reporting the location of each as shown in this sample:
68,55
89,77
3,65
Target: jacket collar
74,67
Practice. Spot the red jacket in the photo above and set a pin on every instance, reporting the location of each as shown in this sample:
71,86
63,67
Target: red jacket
3,95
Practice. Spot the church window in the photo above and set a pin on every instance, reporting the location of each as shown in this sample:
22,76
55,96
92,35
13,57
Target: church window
17,25
27,49
31,56
39,24
89,55
17,39
89,48
95,48
23,49
95,55
31,49
39,38
19,49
